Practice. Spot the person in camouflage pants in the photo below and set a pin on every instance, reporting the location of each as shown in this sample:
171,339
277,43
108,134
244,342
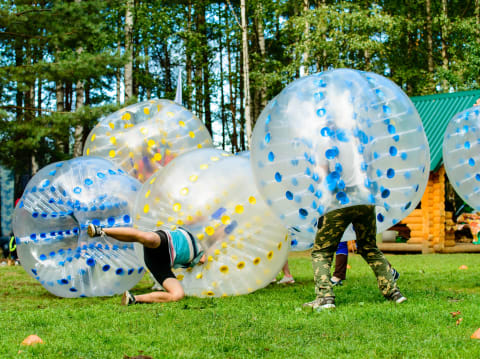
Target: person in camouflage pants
330,230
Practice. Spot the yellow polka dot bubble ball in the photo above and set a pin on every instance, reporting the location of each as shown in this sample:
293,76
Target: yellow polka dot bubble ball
213,195
146,136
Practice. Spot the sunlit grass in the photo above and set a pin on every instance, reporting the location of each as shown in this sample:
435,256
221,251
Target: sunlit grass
267,323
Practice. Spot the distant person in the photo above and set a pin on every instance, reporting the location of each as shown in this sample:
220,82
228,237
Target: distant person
287,276
341,263
163,249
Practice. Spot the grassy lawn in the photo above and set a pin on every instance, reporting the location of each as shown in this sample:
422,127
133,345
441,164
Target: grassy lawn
266,324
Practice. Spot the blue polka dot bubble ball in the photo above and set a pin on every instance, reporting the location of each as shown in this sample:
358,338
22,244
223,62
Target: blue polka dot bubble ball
340,138
461,155
50,226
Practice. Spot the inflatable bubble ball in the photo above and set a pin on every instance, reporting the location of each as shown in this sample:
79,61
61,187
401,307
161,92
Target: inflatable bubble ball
213,195
50,226
144,137
461,144
340,138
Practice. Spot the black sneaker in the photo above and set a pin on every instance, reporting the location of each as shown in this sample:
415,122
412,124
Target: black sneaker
395,274
95,231
396,297
128,298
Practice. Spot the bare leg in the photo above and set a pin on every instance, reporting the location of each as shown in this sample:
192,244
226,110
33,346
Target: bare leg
286,270
173,293
287,276
128,234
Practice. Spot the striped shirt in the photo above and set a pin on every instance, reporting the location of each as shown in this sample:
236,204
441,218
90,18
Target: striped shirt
183,247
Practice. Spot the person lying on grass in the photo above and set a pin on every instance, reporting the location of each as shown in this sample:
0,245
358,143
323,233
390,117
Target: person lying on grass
163,249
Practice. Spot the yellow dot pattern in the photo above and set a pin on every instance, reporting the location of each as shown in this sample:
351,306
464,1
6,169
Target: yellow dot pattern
229,254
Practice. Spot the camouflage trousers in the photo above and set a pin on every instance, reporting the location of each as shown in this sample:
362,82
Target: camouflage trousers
330,231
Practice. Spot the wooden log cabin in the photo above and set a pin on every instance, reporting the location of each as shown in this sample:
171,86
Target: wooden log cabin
430,227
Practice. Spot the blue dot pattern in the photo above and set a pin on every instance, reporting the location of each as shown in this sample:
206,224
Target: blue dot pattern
341,138
461,145
50,226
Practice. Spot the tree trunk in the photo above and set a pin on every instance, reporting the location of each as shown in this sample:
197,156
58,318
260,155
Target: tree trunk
477,21
147,71
167,65
78,133
428,10
222,95
68,97
204,64
231,91
246,76
444,28
118,72
306,31
39,97
410,50
199,12
61,142
29,102
322,65
19,93
261,100
79,102
241,96
128,72
188,60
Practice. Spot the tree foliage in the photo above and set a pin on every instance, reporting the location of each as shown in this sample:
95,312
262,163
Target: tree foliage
50,50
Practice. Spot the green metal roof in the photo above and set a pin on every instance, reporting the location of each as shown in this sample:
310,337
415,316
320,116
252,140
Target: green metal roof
436,111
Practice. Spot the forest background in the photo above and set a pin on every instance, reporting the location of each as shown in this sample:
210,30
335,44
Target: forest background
65,64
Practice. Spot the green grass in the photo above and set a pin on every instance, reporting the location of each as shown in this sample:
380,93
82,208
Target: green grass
265,324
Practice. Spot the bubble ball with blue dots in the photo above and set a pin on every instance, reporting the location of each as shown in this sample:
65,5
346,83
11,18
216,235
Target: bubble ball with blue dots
461,156
340,138
50,225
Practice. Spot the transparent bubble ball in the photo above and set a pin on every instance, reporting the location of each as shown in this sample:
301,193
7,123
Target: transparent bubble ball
461,146
50,225
340,138
144,137
213,195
